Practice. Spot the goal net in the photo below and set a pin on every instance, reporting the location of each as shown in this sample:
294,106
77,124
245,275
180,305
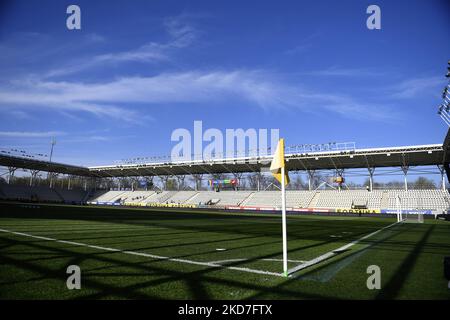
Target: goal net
407,217
412,217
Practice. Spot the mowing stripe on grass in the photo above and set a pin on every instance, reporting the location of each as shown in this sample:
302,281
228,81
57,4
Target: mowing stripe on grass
335,251
207,264
331,270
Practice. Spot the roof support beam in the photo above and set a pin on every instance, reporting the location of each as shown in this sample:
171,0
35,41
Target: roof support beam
371,172
33,176
11,171
405,169
310,177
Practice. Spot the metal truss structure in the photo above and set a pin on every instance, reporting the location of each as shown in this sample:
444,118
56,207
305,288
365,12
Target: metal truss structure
403,157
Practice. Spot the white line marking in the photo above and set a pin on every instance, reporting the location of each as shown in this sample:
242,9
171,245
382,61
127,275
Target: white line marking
245,259
226,261
207,264
279,260
335,252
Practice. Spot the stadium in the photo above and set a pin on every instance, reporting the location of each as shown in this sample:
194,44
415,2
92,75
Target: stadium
223,227
227,237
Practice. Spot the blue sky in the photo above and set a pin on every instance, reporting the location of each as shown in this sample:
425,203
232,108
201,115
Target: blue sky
137,70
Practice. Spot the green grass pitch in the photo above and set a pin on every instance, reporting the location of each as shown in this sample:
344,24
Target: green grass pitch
410,256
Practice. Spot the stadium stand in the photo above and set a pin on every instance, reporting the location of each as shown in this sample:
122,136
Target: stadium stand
158,197
420,199
263,198
15,192
71,196
331,199
46,194
298,199
183,196
165,196
347,198
40,193
430,199
136,196
222,198
110,196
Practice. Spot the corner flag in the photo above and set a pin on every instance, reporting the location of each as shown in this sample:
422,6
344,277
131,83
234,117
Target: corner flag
278,163
277,168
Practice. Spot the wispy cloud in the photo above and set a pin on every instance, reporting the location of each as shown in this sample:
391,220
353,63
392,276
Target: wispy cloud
412,88
20,115
34,47
305,45
30,134
75,138
346,72
106,99
95,38
111,99
181,34
299,49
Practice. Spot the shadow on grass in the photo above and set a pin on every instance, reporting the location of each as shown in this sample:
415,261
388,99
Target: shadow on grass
196,282
196,222
391,289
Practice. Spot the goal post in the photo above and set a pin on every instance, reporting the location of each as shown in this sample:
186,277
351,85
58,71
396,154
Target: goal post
398,207
407,216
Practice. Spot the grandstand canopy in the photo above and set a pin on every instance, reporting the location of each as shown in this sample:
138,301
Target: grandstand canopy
424,155
41,165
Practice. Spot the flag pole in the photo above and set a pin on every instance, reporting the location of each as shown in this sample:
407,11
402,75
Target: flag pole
277,167
283,217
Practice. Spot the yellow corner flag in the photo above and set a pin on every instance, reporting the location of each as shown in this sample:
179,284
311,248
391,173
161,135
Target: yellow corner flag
277,168
278,163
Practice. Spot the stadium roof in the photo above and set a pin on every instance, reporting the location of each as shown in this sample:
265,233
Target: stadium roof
359,158
42,165
424,155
